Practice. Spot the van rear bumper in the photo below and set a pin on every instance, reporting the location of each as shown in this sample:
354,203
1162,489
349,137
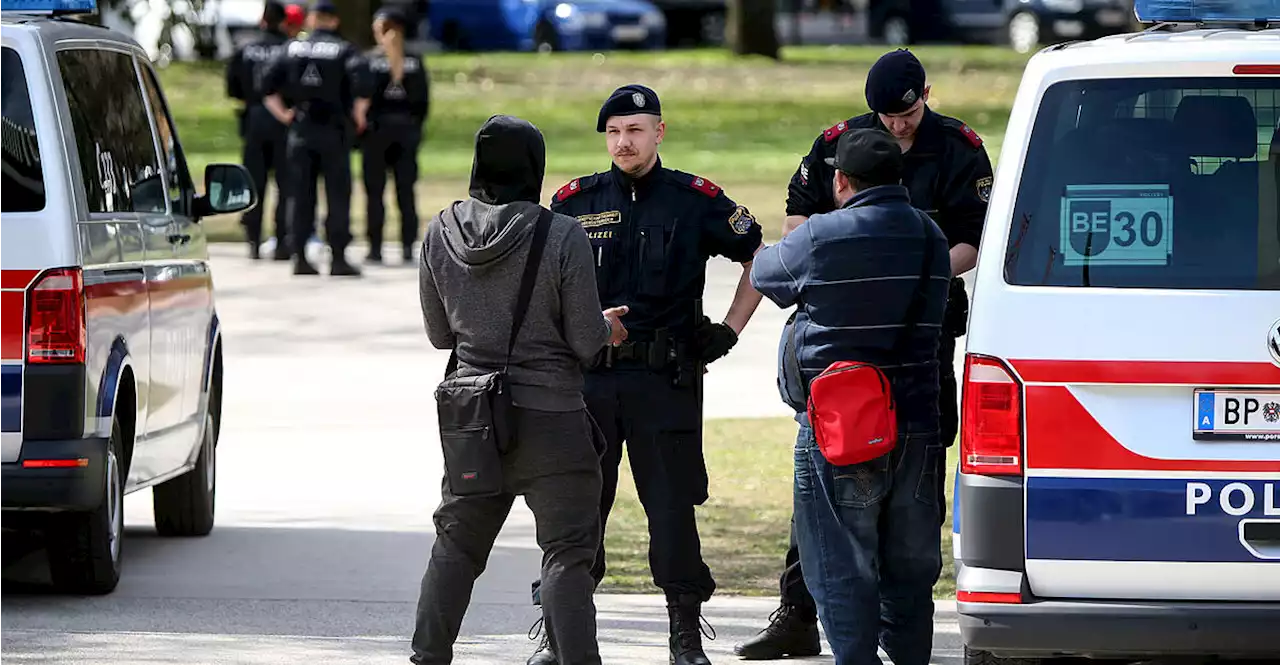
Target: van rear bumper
1121,629
56,488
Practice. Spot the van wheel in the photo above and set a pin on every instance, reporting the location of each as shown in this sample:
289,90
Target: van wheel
84,548
975,657
184,506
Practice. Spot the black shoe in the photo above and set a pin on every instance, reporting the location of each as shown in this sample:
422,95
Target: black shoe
281,252
301,266
340,268
791,632
686,631
255,252
407,253
374,258
544,655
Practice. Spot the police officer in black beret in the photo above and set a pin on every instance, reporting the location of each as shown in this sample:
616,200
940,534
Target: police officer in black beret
652,230
949,176
318,76
262,133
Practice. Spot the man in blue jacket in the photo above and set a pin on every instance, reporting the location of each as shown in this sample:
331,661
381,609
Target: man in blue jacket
869,281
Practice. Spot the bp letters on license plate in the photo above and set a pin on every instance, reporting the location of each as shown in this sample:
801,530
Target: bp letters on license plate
1237,415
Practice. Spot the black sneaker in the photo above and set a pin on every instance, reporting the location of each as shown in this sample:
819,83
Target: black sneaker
791,632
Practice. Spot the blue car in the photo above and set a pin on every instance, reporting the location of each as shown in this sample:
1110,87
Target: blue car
546,25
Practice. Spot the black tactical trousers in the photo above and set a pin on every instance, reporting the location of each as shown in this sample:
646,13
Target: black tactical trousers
394,146
316,150
265,144
662,427
791,583
555,467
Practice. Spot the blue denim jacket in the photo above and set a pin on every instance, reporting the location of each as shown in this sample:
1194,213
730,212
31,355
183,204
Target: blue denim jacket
851,274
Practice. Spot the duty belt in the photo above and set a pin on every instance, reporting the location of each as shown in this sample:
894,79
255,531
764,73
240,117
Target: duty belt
656,354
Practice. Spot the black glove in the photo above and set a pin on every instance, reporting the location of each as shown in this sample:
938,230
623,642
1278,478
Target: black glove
714,340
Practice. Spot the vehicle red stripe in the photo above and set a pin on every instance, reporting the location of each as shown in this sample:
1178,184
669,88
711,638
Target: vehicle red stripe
1147,371
1062,434
17,279
13,324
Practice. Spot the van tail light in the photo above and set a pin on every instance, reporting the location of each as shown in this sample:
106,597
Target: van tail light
1255,70
989,597
55,328
991,419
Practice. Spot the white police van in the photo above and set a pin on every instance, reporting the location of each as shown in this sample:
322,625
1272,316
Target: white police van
112,354
1119,485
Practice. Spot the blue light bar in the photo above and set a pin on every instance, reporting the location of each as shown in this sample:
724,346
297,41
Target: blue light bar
1206,11
50,6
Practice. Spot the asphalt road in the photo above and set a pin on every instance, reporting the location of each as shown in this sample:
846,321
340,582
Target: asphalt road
328,471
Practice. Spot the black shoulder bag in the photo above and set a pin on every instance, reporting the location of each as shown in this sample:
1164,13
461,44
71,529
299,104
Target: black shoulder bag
475,413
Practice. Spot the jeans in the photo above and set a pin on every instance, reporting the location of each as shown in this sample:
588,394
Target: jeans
870,545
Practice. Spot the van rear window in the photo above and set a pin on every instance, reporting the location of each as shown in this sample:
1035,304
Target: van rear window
1157,183
22,174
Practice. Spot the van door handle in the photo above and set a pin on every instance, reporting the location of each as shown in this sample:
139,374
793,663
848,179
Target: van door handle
183,238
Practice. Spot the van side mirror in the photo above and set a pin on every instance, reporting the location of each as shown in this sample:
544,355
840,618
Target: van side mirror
228,188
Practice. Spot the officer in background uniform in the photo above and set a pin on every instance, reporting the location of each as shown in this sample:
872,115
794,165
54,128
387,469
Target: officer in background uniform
390,115
263,135
652,230
948,175
317,75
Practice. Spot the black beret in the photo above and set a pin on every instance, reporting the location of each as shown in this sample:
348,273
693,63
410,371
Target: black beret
394,14
629,100
870,155
895,82
324,7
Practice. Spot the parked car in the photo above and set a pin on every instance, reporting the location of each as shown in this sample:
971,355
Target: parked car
112,350
545,25
1022,24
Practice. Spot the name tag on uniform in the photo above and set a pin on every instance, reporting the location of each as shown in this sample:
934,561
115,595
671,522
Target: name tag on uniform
600,219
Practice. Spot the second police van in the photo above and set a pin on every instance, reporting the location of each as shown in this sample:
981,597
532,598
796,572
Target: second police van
1119,483
112,351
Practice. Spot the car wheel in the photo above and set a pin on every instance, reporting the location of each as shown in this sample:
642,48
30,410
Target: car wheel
975,657
184,506
1024,32
897,31
85,548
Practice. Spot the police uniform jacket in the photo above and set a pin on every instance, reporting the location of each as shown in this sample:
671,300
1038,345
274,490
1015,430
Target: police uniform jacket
404,103
651,238
946,171
317,76
247,67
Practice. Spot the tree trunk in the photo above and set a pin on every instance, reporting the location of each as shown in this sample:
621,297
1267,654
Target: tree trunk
357,21
751,30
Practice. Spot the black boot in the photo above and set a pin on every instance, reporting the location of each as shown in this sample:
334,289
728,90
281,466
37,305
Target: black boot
301,266
791,632
255,251
685,612
339,267
544,655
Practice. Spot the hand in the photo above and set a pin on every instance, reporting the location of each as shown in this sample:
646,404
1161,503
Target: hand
618,332
714,340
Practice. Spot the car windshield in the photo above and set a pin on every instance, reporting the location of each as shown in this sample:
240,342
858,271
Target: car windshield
1159,183
23,175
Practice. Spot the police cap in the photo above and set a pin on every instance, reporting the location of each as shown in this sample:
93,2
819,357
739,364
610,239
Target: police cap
895,82
870,155
324,7
393,14
629,100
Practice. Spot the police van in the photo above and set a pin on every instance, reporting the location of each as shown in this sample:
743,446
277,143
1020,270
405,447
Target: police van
112,353
1119,482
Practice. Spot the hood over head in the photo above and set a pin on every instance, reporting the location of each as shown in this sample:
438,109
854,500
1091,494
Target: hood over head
506,185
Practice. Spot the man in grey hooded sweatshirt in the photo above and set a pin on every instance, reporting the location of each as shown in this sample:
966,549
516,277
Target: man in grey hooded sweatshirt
472,259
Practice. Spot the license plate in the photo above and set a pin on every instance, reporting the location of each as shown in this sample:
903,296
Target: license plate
1111,17
630,33
1237,415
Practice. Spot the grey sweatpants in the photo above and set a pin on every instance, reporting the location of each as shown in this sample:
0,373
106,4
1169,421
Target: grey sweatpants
555,467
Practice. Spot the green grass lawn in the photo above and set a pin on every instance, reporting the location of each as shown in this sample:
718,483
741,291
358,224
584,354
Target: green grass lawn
744,123
744,526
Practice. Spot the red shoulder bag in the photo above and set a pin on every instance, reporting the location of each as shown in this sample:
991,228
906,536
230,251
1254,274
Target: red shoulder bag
850,404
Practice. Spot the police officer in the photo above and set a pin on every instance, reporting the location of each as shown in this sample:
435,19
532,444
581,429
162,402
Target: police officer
263,135
652,230
948,175
317,75
390,116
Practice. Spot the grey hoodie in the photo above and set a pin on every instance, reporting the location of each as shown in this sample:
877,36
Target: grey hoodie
472,258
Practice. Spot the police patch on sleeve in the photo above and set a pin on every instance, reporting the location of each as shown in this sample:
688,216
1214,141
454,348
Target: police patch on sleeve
741,220
983,185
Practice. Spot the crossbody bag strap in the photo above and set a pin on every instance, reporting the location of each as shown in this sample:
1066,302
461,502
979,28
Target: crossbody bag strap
527,279
918,298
